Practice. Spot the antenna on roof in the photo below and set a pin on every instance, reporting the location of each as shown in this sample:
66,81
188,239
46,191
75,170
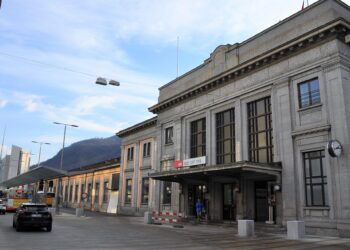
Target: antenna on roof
3,136
177,58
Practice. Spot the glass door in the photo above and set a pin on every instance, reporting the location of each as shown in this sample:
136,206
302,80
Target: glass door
229,208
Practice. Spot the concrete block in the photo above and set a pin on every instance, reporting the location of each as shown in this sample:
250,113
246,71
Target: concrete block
147,219
52,210
79,211
295,230
246,228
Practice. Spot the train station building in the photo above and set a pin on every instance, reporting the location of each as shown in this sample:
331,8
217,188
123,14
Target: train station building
259,131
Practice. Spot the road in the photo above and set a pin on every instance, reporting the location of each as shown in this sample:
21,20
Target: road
99,231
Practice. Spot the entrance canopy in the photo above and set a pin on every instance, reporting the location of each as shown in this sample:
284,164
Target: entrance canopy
200,172
34,175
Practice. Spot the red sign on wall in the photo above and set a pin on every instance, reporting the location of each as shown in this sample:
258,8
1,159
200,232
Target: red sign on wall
178,164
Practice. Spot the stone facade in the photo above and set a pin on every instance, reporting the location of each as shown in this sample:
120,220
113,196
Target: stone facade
261,113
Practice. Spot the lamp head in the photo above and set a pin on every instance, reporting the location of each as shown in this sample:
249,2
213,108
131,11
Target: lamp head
101,81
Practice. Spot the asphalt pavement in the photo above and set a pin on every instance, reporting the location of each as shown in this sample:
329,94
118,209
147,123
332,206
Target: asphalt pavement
102,231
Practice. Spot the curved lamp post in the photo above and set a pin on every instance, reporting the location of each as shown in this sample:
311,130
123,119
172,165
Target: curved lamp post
61,163
41,143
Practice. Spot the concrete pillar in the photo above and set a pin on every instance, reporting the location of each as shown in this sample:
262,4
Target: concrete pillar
295,230
245,228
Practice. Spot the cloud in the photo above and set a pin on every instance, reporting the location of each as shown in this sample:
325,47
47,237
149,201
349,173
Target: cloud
2,103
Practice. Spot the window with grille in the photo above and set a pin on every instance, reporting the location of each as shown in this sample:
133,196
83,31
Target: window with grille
89,191
131,154
105,192
82,190
309,93
169,135
260,141
225,137
76,193
315,178
167,192
71,193
198,138
145,191
97,192
147,149
66,193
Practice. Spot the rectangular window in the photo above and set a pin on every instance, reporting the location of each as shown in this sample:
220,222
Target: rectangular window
66,193
260,141
315,178
105,192
169,135
225,137
115,182
131,154
147,149
89,191
82,190
128,191
76,193
309,93
71,193
167,192
97,193
198,138
145,191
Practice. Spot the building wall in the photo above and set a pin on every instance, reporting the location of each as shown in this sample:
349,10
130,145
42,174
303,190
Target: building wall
295,130
136,170
70,199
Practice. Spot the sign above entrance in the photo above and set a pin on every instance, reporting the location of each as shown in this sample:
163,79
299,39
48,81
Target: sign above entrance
178,164
194,161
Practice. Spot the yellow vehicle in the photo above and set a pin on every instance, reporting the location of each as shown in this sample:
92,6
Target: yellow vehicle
47,199
13,203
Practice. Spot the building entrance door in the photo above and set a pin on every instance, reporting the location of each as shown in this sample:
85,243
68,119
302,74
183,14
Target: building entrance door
196,192
229,207
261,201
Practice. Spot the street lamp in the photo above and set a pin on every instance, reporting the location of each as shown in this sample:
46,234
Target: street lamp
41,143
103,81
61,164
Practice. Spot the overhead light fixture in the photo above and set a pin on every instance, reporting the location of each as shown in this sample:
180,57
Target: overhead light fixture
277,187
101,81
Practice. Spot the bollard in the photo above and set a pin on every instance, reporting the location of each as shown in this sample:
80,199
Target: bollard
79,211
295,229
246,228
147,219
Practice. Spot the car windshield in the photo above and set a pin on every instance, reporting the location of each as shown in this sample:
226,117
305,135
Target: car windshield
35,208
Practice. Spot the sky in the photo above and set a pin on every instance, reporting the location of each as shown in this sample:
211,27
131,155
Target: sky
52,51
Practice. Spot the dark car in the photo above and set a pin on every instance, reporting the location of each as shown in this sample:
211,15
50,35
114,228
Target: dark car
32,215
2,207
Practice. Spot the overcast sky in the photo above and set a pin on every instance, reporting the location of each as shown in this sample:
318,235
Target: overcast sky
52,51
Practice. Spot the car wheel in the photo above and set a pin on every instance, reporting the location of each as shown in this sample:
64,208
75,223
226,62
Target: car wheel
49,228
18,227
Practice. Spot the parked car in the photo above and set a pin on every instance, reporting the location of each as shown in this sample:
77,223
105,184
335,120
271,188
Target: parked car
32,215
2,207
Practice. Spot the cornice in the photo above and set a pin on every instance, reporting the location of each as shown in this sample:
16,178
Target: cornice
336,29
138,127
312,130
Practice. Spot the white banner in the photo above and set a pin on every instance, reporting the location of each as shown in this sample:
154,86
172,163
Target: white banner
194,161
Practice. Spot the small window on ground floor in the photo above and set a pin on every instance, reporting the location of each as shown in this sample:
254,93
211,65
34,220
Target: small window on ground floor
315,178
128,191
145,190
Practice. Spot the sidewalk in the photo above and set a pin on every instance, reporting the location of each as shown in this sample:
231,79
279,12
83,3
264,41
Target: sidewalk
262,236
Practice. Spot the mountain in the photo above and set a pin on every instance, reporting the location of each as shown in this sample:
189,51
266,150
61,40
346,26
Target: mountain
86,152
